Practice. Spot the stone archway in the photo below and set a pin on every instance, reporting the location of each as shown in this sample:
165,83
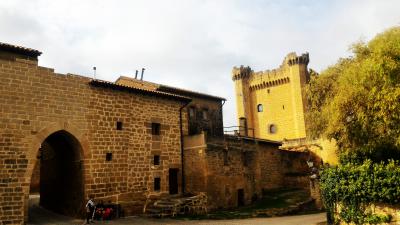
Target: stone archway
61,151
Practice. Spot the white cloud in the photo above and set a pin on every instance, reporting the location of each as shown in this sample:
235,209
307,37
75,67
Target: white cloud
193,43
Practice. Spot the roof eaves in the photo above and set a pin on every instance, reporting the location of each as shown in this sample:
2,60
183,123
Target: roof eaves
20,49
102,83
188,92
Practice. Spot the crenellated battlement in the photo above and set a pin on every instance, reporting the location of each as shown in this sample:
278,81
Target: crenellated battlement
279,73
241,72
293,59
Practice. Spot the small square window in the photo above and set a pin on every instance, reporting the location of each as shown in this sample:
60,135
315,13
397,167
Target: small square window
157,184
155,128
119,125
272,128
108,156
156,160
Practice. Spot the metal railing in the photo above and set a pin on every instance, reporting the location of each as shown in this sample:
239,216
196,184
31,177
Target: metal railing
239,131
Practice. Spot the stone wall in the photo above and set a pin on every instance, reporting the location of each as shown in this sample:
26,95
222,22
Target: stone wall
211,123
224,167
36,102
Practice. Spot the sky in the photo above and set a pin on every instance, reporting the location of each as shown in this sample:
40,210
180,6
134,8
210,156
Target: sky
191,44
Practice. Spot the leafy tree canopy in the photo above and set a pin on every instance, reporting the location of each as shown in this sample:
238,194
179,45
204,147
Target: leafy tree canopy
357,100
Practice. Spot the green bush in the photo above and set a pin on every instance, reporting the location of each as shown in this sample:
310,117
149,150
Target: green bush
355,186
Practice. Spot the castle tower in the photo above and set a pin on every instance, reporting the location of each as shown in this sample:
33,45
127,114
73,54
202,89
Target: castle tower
272,102
241,77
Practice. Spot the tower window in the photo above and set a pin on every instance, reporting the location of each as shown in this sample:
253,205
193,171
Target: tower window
283,106
157,184
259,108
272,128
155,129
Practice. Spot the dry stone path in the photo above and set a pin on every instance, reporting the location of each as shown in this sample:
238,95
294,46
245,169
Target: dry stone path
40,216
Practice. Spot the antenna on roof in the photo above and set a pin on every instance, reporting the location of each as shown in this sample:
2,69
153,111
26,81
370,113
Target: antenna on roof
141,77
94,72
136,74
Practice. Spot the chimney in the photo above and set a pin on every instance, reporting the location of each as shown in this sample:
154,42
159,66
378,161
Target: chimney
136,74
94,72
141,77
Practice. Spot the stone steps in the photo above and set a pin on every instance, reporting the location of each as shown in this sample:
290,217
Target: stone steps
172,206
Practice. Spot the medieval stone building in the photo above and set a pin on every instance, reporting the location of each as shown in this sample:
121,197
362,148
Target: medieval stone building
116,141
271,103
68,136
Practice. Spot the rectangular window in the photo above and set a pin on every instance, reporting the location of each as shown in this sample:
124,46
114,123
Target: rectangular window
157,184
191,112
225,158
205,114
155,129
108,156
119,125
156,160
244,158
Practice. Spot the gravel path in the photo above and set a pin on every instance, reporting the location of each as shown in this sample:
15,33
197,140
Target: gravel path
40,216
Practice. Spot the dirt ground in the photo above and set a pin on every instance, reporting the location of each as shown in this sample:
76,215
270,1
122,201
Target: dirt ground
44,217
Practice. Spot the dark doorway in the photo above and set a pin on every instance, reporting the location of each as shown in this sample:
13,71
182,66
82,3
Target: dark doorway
240,197
60,181
173,181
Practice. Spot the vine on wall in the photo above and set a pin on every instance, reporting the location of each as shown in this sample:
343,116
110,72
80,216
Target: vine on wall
355,186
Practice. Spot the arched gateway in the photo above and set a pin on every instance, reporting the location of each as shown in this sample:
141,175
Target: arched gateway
57,170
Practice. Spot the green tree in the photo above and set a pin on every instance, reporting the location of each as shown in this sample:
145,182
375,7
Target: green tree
357,100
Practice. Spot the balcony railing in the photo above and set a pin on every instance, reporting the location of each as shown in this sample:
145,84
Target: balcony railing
239,131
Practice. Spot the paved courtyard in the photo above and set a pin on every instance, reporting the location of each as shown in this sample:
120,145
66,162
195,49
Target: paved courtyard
40,216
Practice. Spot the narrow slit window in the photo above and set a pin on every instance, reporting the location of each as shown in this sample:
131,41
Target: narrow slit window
109,156
119,125
156,160
157,184
155,129
226,158
244,159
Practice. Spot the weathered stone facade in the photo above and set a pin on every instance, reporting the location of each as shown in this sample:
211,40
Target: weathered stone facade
204,111
95,137
123,142
235,170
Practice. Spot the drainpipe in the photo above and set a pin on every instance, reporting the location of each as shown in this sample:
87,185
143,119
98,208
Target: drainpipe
222,118
182,154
